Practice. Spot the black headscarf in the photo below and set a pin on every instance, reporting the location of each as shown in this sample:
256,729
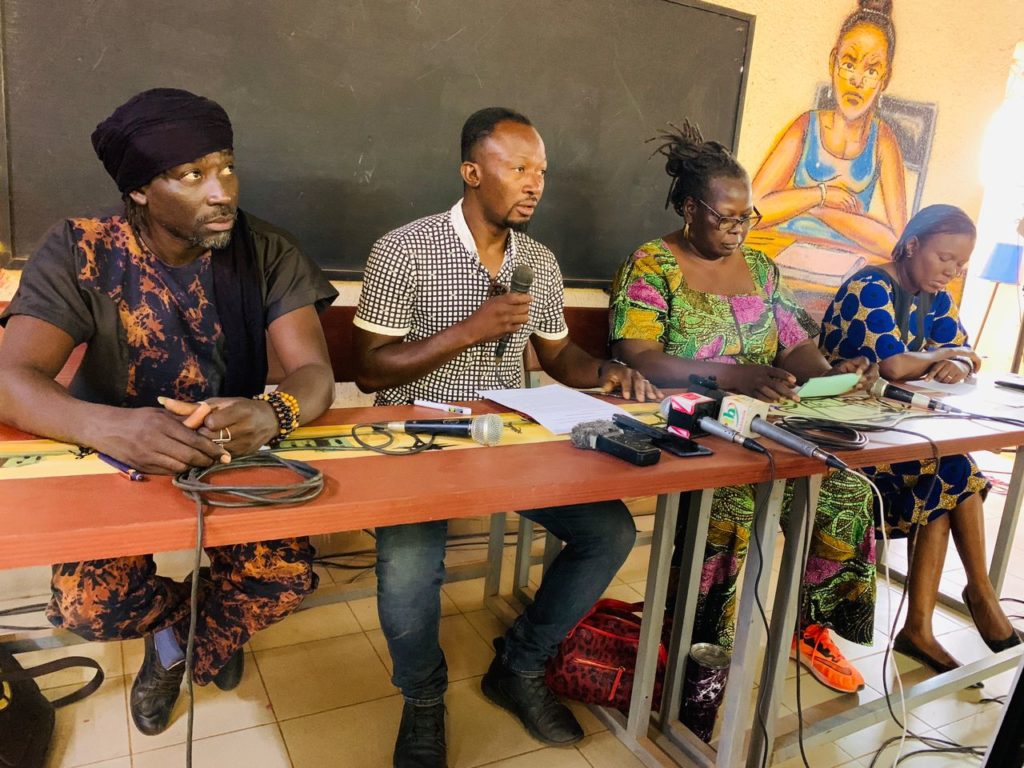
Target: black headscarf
156,130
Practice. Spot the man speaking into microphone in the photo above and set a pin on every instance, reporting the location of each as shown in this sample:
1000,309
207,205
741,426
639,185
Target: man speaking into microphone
436,320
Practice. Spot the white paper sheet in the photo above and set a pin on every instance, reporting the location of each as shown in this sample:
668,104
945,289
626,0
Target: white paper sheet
554,407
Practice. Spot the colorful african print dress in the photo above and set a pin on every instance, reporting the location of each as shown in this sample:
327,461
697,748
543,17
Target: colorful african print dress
872,316
652,302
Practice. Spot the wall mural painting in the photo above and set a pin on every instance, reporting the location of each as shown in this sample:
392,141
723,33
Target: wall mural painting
833,190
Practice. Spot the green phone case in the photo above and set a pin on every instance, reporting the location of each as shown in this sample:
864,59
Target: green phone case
829,386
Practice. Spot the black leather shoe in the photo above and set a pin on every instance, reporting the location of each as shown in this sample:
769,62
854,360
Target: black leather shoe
906,646
530,699
994,645
421,742
230,674
154,692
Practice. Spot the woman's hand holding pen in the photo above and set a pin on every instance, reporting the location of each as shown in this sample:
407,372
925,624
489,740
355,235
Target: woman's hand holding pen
238,425
155,442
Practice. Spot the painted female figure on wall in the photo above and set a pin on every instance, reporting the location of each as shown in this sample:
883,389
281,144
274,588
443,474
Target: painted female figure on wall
831,191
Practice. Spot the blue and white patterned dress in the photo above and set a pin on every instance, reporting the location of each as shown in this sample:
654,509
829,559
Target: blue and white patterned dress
871,316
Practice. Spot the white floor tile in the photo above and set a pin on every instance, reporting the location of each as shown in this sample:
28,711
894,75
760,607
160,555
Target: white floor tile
548,758
467,595
261,747
312,677
819,756
359,736
317,623
107,654
603,750
91,730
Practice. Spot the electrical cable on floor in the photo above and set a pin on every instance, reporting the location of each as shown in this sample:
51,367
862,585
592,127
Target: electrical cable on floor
193,484
934,745
758,511
808,516
890,621
23,610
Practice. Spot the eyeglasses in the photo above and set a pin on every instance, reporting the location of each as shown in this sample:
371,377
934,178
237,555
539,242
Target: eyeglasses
727,223
857,78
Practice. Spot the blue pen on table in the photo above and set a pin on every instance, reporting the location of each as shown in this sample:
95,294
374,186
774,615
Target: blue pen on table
128,472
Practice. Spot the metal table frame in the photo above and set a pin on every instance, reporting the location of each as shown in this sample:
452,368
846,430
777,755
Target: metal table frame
663,740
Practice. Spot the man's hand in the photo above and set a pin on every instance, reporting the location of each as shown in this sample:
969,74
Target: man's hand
499,315
630,383
155,442
239,424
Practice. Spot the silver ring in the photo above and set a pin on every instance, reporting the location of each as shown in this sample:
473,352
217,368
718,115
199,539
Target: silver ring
220,439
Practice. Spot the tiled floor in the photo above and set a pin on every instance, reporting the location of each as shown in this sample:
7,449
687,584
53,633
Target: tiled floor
317,691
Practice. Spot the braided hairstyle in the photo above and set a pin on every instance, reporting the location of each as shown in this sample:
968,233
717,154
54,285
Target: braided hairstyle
693,162
934,220
876,13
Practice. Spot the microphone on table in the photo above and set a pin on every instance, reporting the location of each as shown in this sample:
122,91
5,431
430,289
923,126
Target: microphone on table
605,437
485,430
695,413
522,279
748,417
705,425
882,388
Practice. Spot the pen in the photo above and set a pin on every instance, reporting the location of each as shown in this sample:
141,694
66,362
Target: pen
126,471
459,409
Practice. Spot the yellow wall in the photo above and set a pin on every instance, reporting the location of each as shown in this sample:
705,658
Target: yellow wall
954,53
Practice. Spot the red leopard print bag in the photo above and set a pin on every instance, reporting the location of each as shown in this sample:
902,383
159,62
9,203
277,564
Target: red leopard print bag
596,661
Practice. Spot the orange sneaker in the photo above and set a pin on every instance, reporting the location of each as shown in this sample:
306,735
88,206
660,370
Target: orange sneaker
825,661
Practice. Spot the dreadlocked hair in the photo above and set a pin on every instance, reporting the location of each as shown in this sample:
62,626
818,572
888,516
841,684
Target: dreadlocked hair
132,212
693,162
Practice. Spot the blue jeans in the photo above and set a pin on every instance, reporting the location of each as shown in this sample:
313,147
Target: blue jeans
410,570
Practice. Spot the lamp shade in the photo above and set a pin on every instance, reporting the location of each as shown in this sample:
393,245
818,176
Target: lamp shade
1003,264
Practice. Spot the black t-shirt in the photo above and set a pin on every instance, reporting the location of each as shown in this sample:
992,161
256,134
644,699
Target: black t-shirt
150,329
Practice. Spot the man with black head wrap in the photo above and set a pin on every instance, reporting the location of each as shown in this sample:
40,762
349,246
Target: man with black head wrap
174,298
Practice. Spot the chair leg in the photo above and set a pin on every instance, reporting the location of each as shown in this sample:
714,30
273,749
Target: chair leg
521,574
981,328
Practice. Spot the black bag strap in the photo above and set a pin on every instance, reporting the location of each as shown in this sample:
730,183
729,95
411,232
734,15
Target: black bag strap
57,665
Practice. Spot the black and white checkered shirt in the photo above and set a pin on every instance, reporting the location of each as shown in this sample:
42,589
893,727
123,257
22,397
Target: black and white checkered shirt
426,276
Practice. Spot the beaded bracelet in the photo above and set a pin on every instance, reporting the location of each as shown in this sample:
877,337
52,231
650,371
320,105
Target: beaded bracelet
286,409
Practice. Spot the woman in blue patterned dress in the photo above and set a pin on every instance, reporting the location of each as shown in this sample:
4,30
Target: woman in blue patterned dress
900,315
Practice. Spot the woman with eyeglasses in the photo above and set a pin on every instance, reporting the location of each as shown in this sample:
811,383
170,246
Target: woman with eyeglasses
900,315
696,301
822,174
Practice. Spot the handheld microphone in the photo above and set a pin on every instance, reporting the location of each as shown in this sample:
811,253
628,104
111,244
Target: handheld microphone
747,416
882,388
704,424
604,436
522,279
485,430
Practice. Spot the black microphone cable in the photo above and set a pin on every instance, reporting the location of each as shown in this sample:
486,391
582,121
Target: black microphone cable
193,484
758,511
808,428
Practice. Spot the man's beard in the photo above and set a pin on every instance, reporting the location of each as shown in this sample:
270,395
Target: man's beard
219,240
211,242
517,226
